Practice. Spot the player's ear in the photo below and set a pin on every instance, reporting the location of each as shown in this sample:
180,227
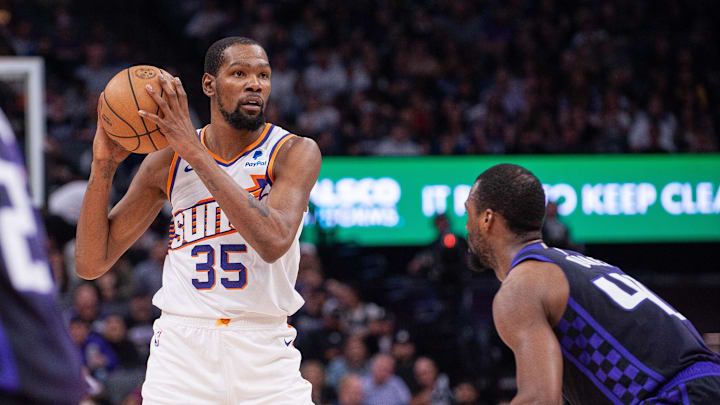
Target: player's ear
208,84
487,219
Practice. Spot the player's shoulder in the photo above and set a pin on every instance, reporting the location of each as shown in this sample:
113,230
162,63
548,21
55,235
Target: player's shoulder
300,147
295,155
532,271
303,143
284,140
532,281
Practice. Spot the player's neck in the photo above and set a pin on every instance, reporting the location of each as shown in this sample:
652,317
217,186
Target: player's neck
508,253
228,142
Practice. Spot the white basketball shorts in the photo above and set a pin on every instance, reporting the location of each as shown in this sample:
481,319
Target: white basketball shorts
195,361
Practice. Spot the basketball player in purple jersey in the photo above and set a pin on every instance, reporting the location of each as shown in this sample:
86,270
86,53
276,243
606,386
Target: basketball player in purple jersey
579,327
38,363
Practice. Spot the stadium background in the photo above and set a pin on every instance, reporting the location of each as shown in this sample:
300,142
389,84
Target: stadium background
401,78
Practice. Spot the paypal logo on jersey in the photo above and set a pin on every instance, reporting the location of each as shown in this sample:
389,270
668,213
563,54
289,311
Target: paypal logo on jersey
258,154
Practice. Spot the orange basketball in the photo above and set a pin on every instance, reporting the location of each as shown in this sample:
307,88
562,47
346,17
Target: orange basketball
124,95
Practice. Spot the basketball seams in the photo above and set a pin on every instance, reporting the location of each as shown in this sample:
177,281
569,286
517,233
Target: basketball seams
123,120
157,127
125,108
132,90
125,137
157,112
136,136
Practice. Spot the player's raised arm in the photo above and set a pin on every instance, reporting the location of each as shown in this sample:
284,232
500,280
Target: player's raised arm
521,310
268,227
101,238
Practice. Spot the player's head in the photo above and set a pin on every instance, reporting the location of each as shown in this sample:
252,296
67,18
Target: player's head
237,80
506,205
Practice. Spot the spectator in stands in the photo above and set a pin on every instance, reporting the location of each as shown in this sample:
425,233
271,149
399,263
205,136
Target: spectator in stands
96,71
309,319
434,387
554,232
654,129
403,351
380,331
115,333
350,391
399,143
130,371
382,386
207,21
614,123
111,301
314,372
353,361
148,273
325,76
97,354
465,393
140,323
86,305
318,117
284,82
310,273
356,313
697,131
325,343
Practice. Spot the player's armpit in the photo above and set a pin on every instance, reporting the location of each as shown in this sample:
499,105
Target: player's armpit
102,238
521,319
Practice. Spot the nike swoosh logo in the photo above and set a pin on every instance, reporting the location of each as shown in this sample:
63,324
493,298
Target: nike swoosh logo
287,343
188,168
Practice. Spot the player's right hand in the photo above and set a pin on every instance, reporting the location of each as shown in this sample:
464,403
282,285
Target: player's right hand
104,148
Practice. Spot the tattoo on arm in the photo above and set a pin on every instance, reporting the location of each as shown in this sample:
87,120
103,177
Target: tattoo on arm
105,172
209,183
108,172
254,203
212,185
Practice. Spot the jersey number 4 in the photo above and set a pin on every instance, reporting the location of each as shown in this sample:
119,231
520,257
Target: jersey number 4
629,301
225,264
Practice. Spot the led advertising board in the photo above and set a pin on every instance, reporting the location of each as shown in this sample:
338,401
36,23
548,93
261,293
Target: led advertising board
602,198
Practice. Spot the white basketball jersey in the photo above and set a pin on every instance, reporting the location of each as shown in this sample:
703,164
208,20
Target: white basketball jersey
210,270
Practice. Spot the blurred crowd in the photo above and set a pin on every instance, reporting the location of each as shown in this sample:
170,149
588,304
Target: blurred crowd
403,77
368,77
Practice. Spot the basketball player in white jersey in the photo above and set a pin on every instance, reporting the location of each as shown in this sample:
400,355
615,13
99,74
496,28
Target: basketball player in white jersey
239,188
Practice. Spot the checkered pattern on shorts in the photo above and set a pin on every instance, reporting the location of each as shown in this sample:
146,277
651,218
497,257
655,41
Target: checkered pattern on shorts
607,366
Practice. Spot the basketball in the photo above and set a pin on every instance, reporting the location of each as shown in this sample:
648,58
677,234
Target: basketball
124,95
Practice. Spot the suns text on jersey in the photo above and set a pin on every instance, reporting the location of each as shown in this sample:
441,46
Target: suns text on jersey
203,220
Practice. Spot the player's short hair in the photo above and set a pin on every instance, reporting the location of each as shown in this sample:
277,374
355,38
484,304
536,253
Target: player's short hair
515,193
214,56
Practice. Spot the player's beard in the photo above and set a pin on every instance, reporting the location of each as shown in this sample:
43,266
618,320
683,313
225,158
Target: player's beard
479,250
239,120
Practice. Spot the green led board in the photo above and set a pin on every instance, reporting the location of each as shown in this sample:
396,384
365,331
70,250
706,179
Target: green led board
603,199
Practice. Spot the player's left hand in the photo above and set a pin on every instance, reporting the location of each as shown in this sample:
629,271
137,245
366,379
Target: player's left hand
175,123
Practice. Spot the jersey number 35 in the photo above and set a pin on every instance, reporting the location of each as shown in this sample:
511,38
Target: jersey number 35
225,264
